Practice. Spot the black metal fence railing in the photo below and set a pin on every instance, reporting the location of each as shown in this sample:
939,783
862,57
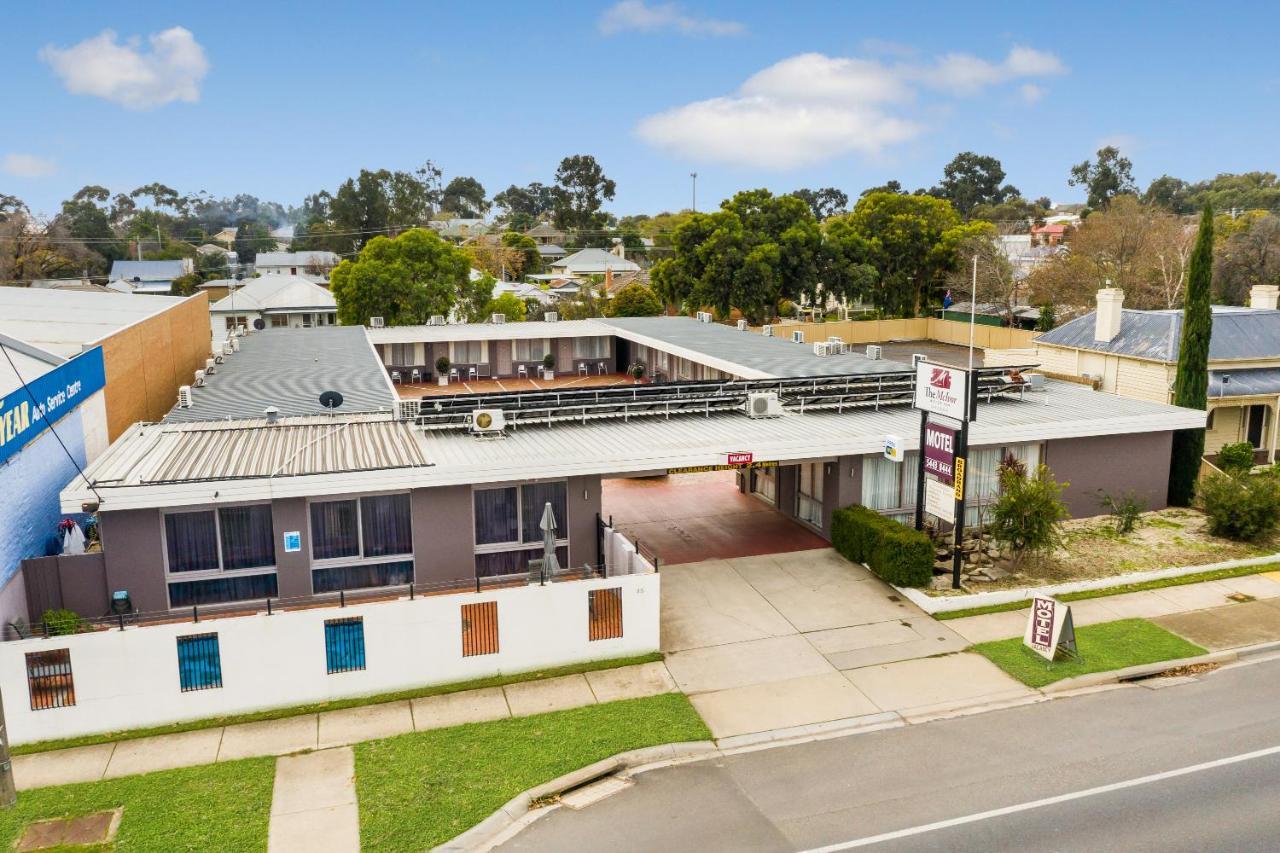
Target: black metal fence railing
201,613
605,527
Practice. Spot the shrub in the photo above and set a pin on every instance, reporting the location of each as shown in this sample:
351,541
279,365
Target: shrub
61,622
896,553
1125,510
1029,513
1239,506
1236,458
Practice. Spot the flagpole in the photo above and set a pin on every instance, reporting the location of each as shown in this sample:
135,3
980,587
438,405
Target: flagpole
973,308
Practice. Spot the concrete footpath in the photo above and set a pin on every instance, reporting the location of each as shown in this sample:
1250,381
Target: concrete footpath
313,803
337,728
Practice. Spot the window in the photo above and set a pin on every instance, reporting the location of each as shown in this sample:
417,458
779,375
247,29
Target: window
279,321
344,644
49,679
530,350
764,482
199,662
192,541
467,352
809,493
480,629
371,526
590,347
511,517
604,613
362,576
223,590
232,322
232,538
402,354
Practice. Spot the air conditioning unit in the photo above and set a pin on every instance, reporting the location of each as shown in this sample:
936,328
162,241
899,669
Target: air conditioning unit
241,331
377,323
764,404
228,347
210,366
235,344
835,339
436,320
1035,381
498,318
822,348
874,352
767,330
551,316
199,380
742,325
797,337
184,397
219,358
488,421
916,358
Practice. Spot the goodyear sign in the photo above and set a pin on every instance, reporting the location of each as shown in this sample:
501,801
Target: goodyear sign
25,413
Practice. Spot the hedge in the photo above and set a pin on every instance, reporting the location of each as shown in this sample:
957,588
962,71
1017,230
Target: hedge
896,553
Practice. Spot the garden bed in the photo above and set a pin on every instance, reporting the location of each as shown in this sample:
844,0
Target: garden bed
1092,549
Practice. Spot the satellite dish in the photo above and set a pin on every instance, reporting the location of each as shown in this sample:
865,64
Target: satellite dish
259,324
331,399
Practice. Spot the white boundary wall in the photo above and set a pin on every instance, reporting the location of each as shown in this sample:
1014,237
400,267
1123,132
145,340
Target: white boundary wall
129,679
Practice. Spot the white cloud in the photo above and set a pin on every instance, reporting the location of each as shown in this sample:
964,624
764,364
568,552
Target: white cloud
811,108
27,166
638,16
129,74
1031,93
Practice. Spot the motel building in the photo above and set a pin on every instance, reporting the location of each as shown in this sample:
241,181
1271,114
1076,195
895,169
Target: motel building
308,525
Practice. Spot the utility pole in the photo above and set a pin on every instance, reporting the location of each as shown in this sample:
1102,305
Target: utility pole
694,175
8,792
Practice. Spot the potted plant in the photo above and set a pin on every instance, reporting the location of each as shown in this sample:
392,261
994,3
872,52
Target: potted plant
548,366
637,372
442,370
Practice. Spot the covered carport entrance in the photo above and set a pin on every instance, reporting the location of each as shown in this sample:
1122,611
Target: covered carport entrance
717,514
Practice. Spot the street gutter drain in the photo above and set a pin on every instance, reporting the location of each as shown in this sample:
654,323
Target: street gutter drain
1176,672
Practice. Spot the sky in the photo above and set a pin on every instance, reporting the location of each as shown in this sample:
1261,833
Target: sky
282,99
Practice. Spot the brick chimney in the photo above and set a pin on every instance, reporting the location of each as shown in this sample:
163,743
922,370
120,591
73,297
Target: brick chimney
1107,317
1264,296
608,280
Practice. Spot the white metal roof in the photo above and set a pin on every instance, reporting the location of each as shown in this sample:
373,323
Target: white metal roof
276,293
490,331
181,465
594,261
65,322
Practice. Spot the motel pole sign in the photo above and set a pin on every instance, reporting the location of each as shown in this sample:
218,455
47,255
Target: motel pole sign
947,399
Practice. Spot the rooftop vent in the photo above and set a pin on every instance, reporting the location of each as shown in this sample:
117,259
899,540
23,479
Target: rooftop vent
377,323
767,330
742,325
498,318
551,316
272,414
797,337
184,397
436,320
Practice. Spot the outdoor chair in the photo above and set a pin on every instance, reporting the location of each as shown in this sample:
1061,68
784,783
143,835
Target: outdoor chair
522,371
415,376
472,373
600,368
583,370
395,376
453,374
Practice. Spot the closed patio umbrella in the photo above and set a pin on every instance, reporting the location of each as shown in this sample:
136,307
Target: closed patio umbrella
548,525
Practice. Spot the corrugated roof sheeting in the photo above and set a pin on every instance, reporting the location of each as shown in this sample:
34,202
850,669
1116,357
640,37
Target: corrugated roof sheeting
1253,382
1238,333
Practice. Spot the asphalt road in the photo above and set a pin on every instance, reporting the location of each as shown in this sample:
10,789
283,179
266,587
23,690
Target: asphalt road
1194,766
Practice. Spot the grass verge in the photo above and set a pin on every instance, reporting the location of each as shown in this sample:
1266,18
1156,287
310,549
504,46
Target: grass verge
1103,647
213,807
419,790
335,705
1121,589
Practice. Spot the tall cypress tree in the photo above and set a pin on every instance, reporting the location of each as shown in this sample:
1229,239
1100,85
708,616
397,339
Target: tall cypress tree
1191,387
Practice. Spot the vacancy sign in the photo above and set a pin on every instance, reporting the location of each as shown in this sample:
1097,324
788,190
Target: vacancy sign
1049,626
940,452
939,500
740,457
942,390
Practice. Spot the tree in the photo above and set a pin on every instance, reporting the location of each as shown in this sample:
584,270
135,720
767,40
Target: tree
1013,215
1249,256
86,217
524,206
1173,194
1230,193
894,187
635,300
185,285
970,180
1109,177
848,271
252,238
824,203
379,202
405,280
510,306
996,281
1029,511
1191,384
581,188
530,260
464,197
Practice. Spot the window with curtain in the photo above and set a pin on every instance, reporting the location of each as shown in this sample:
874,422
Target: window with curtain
490,564
809,493
529,350
590,347
764,482
497,515
248,541
222,590
334,530
385,525
533,499
191,539
466,352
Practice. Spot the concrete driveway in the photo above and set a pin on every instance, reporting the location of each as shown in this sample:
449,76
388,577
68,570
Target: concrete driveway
783,640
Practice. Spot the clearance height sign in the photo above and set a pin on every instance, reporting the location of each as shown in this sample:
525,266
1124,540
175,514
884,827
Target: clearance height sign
25,413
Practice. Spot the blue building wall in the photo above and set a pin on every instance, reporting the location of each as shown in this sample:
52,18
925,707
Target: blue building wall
30,481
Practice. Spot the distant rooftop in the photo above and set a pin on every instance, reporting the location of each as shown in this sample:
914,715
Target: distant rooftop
296,259
148,270
1238,333
276,293
289,369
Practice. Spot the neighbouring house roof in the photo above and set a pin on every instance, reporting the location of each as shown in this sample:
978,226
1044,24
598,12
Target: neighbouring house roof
183,464
551,250
289,369
1050,228
1248,382
296,259
621,281
1238,333
81,284
276,293
594,262
66,322
544,229
148,270
213,249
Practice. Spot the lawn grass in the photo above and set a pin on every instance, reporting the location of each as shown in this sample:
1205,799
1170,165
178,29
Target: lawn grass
1104,647
213,807
1141,586
419,790
336,704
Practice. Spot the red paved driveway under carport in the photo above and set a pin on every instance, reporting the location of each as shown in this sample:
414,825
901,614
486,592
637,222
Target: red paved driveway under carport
685,518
